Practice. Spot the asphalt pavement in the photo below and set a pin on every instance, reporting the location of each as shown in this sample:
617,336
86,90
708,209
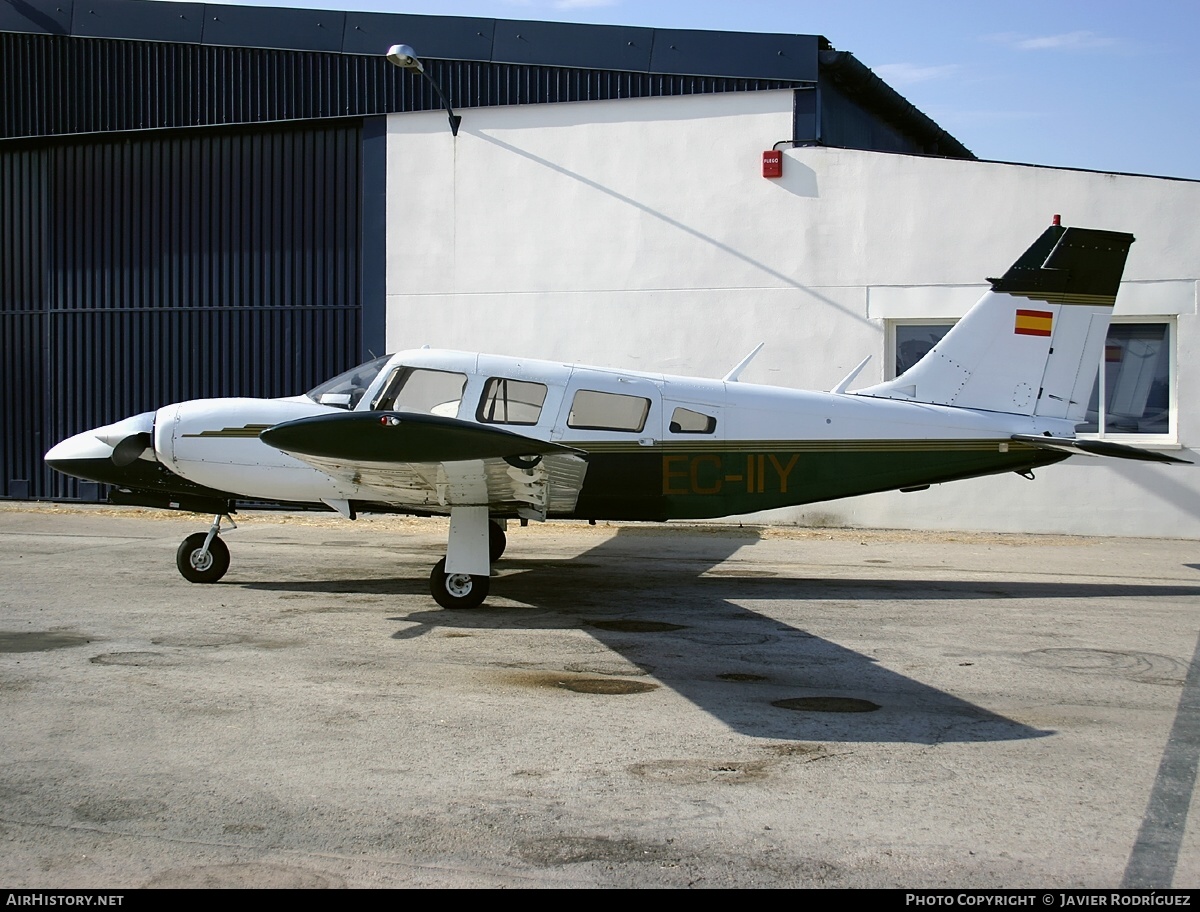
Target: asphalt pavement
679,705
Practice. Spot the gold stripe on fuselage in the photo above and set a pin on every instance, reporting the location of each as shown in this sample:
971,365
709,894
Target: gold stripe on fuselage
797,446
245,431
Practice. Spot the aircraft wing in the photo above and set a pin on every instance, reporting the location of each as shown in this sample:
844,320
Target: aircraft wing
1096,448
431,462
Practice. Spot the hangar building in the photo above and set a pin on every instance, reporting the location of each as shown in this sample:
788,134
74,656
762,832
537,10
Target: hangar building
203,200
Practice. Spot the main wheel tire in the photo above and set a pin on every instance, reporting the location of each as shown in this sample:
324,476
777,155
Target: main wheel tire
497,541
457,590
197,568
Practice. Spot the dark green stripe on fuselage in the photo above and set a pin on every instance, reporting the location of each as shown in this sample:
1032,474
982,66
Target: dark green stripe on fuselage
723,479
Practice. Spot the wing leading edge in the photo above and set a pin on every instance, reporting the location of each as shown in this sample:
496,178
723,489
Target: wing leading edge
402,437
433,462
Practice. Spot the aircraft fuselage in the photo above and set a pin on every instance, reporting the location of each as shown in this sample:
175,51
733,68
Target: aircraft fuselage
657,447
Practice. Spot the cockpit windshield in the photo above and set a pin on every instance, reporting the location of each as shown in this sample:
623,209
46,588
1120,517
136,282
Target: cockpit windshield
345,390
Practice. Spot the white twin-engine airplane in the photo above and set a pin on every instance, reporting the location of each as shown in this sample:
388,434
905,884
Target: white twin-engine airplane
487,439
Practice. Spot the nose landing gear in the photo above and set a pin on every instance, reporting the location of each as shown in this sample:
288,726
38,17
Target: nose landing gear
203,557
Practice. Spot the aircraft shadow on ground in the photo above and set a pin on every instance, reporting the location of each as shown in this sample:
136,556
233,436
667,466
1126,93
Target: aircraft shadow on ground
689,632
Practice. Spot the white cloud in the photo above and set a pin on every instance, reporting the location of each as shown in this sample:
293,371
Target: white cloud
1069,41
900,74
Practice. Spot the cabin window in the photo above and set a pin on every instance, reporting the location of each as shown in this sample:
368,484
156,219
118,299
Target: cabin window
685,421
427,392
1133,393
595,411
345,390
507,401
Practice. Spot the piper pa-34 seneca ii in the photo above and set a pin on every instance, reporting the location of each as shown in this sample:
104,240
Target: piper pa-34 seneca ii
486,439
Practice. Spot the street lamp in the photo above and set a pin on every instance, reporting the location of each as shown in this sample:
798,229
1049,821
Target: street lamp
403,56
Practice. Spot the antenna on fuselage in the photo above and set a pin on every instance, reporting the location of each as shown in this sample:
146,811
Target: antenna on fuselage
841,387
733,375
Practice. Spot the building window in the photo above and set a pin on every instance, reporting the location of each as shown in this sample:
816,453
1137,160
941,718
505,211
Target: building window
911,340
1133,390
1132,394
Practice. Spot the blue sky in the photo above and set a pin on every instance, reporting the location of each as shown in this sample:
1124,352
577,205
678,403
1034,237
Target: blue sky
1108,85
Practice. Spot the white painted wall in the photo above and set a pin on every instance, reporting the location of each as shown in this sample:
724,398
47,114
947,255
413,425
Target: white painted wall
641,234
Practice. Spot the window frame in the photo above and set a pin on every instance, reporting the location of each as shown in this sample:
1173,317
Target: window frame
485,398
1169,439
710,423
649,406
890,338
398,379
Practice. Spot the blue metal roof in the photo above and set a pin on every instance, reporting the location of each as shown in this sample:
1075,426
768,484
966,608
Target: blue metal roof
736,55
96,66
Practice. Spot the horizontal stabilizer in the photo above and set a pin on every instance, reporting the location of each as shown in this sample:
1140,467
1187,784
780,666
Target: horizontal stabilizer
402,437
1097,448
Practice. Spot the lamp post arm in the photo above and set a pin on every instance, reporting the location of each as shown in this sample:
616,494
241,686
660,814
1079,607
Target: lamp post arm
455,119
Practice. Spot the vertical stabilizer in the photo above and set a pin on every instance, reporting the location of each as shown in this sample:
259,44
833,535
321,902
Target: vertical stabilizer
1031,345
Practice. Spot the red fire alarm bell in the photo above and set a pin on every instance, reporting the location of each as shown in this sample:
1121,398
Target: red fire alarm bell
773,164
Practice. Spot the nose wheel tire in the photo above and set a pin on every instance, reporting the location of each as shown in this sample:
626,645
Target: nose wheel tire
457,590
196,567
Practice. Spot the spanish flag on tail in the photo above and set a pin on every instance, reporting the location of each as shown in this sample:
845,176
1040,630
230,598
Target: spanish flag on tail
1033,323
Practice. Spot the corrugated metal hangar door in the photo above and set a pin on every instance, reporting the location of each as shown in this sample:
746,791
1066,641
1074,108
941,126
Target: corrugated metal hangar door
144,269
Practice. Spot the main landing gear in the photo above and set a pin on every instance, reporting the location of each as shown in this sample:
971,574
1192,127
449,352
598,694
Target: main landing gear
203,557
457,590
475,542
497,540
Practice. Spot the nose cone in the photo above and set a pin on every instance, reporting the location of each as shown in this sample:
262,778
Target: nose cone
85,446
108,454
